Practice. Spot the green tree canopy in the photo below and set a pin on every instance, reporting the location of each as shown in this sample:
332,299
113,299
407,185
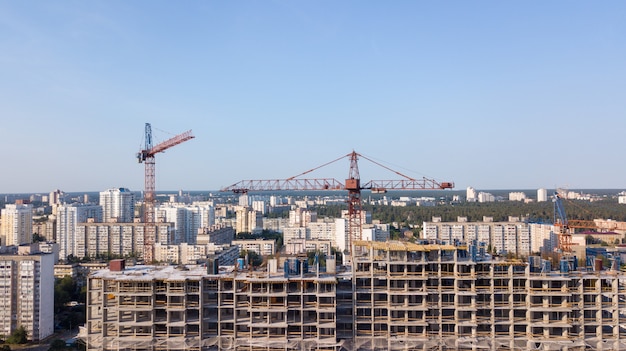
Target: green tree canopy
19,336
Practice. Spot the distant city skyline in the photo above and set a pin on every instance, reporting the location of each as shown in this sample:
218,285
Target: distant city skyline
493,95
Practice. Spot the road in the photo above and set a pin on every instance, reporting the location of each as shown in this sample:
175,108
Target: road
44,345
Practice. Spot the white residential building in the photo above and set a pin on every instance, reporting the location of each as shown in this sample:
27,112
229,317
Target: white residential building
260,246
176,215
294,233
517,196
244,200
260,206
543,237
341,234
248,221
376,232
187,219
55,197
68,219
321,230
192,254
120,239
486,197
27,293
504,237
301,217
16,224
471,194
118,205
295,247
542,195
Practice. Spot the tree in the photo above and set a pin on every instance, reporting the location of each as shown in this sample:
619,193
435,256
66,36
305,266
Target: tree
19,336
320,256
5,348
38,238
254,258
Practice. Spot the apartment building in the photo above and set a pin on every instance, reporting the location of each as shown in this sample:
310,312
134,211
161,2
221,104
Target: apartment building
443,297
191,254
69,218
248,221
16,224
118,205
45,229
169,308
302,246
260,246
187,219
120,239
218,234
396,296
27,292
513,237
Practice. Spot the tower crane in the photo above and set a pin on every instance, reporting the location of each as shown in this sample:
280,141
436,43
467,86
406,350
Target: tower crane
566,225
352,184
147,156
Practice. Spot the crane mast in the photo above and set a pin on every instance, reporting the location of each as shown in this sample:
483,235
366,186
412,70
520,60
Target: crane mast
565,238
147,156
353,185
565,225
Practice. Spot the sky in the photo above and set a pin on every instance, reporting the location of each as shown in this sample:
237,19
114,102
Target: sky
488,94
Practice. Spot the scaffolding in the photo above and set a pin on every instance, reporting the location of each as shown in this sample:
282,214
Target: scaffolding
396,296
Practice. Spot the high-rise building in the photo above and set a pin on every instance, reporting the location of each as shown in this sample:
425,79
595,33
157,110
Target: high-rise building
176,215
187,219
55,197
27,293
543,237
301,217
118,205
486,197
260,206
68,218
244,200
119,239
248,221
515,236
517,196
542,195
16,224
341,234
471,195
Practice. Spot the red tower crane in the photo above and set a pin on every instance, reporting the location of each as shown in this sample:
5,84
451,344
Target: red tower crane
147,156
352,185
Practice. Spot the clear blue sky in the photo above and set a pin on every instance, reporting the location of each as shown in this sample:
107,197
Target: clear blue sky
489,94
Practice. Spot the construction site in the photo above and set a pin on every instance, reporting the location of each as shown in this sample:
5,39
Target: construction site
392,295
395,296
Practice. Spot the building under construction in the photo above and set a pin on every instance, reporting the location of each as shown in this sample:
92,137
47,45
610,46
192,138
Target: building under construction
396,296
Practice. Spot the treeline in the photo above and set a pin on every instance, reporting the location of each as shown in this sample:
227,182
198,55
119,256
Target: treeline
542,212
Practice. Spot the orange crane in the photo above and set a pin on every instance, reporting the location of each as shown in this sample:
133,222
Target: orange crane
146,156
566,225
352,185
